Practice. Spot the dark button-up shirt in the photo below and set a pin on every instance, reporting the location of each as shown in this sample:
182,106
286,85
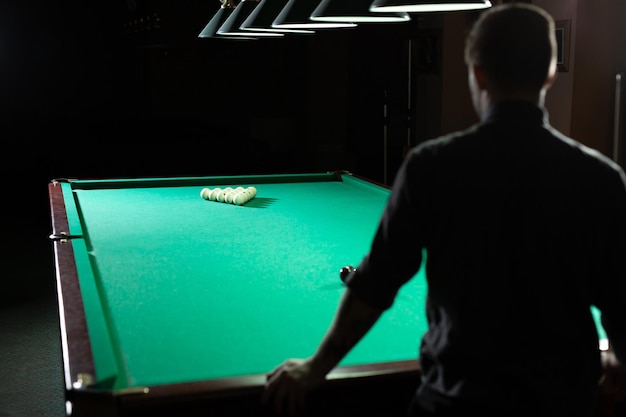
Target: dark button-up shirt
523,230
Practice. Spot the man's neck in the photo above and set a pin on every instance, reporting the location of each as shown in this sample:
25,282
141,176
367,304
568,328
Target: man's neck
489,99
536,98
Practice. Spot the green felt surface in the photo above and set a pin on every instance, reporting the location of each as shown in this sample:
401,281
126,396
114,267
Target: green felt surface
191,289
180,289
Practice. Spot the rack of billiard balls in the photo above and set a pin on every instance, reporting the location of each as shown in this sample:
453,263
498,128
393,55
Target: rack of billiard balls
238,196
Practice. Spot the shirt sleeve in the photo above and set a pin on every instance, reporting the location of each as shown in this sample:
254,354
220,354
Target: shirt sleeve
395,254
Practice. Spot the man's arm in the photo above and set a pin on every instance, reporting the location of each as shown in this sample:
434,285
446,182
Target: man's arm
288,384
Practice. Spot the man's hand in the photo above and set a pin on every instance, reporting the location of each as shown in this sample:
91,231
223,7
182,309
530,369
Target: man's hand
612,383
288,385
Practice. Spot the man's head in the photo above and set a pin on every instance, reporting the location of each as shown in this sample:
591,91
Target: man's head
511,52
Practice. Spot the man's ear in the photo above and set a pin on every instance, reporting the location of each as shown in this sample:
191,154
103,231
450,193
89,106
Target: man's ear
479,76
551,77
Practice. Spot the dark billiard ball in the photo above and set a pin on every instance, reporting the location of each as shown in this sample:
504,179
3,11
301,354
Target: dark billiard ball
345,271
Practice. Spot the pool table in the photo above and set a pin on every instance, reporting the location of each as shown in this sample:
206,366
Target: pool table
172,304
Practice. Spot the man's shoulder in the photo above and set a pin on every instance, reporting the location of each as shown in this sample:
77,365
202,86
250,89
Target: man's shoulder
450,142
586,155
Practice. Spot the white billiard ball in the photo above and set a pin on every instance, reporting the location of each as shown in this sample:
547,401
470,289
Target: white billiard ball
240,198
229,196
221,197
214,193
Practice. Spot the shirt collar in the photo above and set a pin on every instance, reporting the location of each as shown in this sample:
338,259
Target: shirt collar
519,110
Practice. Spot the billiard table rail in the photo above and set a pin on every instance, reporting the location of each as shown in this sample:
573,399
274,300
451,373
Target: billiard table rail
364,390
80,371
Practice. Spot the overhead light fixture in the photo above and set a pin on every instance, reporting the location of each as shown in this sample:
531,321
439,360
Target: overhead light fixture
218,19
263,16
297,15
354,11
416,6
231,26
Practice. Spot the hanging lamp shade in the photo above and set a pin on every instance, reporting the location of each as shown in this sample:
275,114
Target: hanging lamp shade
297,15
231,27
264,14
218,19
416,6
354,11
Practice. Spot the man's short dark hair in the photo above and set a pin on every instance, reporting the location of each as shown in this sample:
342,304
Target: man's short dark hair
514,44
